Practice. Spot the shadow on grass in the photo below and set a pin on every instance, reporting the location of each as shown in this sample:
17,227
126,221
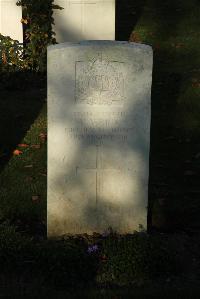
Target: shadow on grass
174,161
174,158
127,15
174,170
22,95
27,263
120,261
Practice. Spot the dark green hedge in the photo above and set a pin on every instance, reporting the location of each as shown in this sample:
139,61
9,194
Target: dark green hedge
113,260
37,22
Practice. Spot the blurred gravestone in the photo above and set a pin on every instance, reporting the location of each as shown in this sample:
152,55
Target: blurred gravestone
10,19
84,20
98,136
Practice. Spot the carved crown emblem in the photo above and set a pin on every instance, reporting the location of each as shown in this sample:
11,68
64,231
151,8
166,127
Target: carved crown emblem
99,82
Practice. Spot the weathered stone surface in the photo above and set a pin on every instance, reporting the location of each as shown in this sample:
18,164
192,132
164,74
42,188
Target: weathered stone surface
84,20
98,136
10,17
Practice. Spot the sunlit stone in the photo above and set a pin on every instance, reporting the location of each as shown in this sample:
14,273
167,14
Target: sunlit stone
99,98
84,20
10,20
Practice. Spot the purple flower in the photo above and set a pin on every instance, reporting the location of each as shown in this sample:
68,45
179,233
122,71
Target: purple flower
92,249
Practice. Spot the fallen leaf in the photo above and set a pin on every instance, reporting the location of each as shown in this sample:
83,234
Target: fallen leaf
4,58
43,174
27,35
35,198
179,45
23,145
104,258
196,84
134,37
43,137
24,21
17,152
28,166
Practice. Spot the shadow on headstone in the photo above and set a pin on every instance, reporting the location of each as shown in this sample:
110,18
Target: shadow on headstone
83,137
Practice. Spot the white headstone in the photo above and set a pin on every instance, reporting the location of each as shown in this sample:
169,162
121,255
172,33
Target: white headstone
10,19
84,20
99,107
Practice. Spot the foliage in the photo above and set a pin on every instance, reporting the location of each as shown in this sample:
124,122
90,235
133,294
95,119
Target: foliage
37,20
12,246
118,261
57,262
66,262
130,259
11,54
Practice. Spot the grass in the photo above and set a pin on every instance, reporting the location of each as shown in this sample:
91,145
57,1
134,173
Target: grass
23,176
138,263
172,28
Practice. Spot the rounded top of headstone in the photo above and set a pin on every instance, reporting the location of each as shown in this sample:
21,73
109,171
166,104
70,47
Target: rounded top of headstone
96,43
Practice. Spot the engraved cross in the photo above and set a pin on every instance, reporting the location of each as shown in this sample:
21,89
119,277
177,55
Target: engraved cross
98,170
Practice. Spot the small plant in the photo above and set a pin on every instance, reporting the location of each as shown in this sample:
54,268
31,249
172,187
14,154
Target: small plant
37,20
11,54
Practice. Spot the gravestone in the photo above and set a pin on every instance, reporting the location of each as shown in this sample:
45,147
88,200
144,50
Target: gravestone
10,20
98,136
84,20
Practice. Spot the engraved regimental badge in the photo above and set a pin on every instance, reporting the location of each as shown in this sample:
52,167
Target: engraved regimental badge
99,82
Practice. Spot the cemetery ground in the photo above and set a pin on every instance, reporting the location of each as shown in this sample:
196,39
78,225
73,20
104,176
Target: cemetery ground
166,261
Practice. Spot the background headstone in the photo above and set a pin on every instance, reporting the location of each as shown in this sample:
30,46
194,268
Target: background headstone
84,20
98,136
10,19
